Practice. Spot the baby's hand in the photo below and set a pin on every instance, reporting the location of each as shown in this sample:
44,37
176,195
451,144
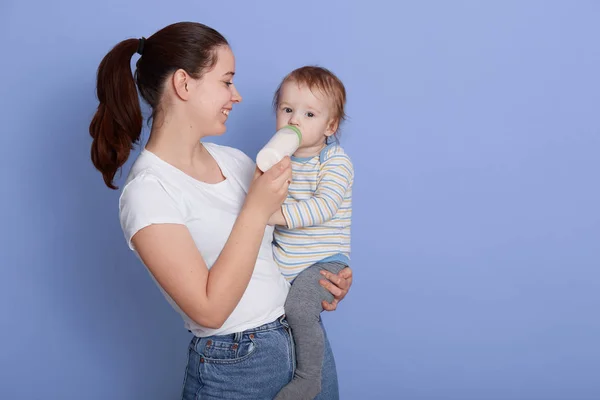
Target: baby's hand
277,219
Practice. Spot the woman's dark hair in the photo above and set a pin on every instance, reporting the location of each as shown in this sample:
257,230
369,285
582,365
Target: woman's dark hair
117,124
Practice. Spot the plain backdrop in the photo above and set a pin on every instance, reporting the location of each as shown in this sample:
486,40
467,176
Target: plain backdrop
474,130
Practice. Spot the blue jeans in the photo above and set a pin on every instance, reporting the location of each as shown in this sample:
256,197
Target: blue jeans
253,365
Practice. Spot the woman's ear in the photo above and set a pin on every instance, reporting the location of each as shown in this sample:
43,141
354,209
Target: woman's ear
181,79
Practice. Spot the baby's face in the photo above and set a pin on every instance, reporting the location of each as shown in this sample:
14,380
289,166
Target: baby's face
310,112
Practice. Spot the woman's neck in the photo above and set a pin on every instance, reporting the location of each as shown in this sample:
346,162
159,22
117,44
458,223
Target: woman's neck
180,146
176,143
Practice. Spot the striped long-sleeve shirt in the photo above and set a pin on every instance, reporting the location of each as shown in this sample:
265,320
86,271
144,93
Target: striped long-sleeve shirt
318,212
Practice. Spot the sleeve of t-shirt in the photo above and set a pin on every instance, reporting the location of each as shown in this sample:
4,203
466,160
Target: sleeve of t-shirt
146,201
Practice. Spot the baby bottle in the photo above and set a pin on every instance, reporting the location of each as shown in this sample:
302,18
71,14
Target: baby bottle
284,142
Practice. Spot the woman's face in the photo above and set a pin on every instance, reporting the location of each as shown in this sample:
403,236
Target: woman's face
212,96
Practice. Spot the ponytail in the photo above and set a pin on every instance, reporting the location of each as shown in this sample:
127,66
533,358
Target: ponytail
117,124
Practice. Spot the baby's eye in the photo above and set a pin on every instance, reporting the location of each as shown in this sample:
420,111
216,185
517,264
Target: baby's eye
287,110
310,115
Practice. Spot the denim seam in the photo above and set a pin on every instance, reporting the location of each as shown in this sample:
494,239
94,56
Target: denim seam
292,352
185,375
262,330
199,372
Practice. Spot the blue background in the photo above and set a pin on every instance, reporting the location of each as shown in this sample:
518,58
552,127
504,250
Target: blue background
474,129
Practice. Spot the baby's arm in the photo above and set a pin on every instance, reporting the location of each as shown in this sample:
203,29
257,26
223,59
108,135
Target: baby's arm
278,218
336,177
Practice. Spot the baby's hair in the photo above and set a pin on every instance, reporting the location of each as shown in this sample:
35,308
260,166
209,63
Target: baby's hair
320,79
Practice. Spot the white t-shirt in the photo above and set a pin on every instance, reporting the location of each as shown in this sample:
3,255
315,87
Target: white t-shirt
156,192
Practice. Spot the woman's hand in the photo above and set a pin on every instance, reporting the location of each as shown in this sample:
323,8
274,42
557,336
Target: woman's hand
268,191
338,284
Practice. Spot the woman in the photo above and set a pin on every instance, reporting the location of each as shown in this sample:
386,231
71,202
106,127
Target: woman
196,213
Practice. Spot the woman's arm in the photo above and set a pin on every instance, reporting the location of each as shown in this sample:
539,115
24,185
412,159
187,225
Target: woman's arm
209,296
338,284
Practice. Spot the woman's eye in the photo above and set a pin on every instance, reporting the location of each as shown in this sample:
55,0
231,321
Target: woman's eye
229,83
310,115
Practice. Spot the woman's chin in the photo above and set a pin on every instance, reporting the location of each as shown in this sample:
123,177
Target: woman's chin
222,129
219,130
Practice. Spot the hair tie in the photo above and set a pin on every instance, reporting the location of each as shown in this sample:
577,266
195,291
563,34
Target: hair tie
140,48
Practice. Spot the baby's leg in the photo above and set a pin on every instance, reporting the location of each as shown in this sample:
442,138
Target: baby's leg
303,308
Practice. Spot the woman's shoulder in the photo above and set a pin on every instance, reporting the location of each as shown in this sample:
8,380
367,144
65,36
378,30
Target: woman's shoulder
148,179
146,168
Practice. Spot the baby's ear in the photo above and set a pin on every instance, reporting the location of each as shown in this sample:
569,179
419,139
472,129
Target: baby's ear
332,127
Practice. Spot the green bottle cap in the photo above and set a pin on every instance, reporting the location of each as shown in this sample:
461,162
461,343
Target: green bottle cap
295,129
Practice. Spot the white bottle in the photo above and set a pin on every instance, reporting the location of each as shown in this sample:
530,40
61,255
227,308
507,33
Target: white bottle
284,142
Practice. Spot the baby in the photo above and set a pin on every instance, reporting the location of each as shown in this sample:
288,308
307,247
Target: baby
312,229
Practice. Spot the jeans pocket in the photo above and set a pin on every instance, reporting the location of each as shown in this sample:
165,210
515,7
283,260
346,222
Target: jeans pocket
225,351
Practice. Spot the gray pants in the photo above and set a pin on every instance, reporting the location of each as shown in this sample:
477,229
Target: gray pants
303,312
